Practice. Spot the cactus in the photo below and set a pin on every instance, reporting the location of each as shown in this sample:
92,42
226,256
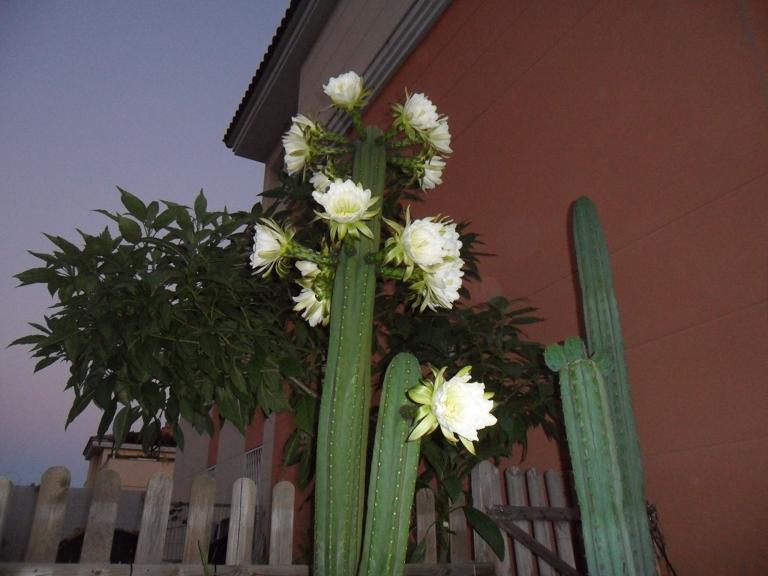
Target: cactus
593,446
604,337
346,397
393,475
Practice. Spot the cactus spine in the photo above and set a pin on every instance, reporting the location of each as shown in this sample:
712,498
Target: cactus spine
393,475
346,397
604,337
592,444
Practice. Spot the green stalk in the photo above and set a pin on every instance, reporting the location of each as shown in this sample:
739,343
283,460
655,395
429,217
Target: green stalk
393,475
604,337
346,397
595,458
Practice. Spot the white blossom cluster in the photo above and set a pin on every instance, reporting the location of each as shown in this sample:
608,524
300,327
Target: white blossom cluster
429,249
419,119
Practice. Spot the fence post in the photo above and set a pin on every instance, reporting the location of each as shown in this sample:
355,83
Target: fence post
154,520
563,537
425,520
199,519
460,534
281,532
5,500
49,515
486,493
100,530
516,494
542,529
241,520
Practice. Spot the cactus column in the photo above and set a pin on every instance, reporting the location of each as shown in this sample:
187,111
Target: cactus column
604,337
345,404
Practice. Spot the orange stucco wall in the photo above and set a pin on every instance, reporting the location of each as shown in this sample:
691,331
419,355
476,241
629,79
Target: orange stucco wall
659,112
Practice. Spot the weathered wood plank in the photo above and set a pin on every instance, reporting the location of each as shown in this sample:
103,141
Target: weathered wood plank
154,520
281,533
486,493
241,522
537,513
460,533
517,495
563,534
199,519
100,529
539,549
425,521
542,529
5,500
48,521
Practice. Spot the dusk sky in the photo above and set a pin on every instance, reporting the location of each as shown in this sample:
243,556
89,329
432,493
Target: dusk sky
94,95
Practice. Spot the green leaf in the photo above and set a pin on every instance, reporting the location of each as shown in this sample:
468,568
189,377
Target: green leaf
45,362
80,404
135,207
31,339
130,230
123,422
306,414
164,218
453,487
106,419
487,529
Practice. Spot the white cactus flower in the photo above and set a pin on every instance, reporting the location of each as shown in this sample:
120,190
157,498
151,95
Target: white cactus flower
440,285
347,205
429,242
440,138
270,244
458,406
433,173
345,90
297,143
420,113
314,310
320,181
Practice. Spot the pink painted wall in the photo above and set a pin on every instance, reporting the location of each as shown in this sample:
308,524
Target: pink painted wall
659,112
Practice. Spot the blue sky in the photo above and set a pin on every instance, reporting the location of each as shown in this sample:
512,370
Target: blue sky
94,95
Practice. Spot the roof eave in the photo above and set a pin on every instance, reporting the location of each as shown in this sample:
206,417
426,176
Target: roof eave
272,96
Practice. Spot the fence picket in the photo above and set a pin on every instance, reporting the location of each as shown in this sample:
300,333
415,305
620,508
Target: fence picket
97,542
241,521
154,520
563,535
486,492
459,538
5,500
542,529
425,520
48,521
517,496
199,519
281,535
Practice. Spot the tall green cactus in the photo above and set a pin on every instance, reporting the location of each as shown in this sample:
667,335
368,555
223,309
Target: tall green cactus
393,475
593,446
604,336
345,403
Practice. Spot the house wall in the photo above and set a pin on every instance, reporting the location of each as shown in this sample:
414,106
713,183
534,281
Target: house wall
658,111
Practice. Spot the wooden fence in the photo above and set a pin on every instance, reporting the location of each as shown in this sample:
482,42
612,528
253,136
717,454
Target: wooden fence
536,511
